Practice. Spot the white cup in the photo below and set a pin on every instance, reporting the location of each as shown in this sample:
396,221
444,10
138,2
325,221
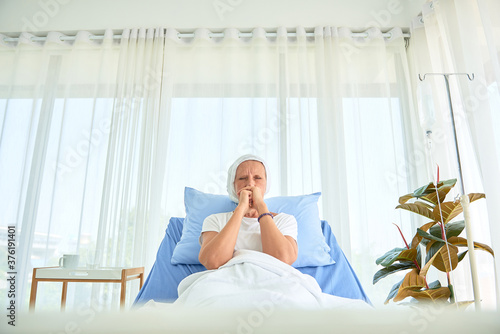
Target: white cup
69,261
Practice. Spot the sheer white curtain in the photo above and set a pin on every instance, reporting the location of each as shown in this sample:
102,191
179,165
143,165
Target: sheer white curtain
329,112
55,98
82,153
463,36
130,220
233,95
367,131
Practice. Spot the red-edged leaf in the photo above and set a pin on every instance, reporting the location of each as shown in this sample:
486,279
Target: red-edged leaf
388,258
439,294
407,255
443,189
458,241
405,198
418,238
391,270
452,209
445,255
425,268
394,291
447,210
452,229
412,281
418,208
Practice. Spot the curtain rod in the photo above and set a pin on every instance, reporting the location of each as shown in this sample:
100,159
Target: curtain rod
181,35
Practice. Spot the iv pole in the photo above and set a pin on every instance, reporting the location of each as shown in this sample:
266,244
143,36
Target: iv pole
464,199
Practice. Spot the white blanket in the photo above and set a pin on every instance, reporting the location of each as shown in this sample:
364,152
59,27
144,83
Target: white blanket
254,279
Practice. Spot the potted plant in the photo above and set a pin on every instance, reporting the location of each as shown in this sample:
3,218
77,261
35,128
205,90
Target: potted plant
440,238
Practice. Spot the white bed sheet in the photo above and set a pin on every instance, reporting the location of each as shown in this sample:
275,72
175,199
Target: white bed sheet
254,279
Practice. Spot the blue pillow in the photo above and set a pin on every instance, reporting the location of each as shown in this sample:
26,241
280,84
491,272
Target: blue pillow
313,250
199,205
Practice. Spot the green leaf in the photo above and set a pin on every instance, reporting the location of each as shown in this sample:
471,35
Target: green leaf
419,256
433,249
443,190
451,229
431,188
447,183
424,241
427,265
428,236
442,260
424,190
394,291
391,270
417,239
452,293
428,192
388,258
462,255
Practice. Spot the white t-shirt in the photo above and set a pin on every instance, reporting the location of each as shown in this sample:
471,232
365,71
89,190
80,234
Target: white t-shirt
249,233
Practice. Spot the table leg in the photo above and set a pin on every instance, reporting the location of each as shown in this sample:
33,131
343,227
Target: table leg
123,290
63,296
34,286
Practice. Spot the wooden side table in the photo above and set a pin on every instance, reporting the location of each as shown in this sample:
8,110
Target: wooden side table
101,275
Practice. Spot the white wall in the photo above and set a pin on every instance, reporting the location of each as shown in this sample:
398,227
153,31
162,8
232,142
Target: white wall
97,15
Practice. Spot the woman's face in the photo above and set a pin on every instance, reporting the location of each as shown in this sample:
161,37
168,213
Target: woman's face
250,173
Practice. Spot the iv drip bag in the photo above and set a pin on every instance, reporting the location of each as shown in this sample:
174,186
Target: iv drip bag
425,105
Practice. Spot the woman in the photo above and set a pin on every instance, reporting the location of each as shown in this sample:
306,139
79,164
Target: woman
250,225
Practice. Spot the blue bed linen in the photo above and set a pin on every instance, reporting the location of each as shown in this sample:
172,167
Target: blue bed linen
338,279
164,277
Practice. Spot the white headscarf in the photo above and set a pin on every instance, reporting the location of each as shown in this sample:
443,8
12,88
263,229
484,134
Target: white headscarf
231,174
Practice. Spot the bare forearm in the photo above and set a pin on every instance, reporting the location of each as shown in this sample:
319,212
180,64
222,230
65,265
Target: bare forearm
274,242
218,250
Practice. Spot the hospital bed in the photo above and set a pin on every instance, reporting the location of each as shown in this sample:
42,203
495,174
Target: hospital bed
161,285
319,253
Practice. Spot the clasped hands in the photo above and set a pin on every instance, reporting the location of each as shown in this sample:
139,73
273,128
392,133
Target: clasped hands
251,201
